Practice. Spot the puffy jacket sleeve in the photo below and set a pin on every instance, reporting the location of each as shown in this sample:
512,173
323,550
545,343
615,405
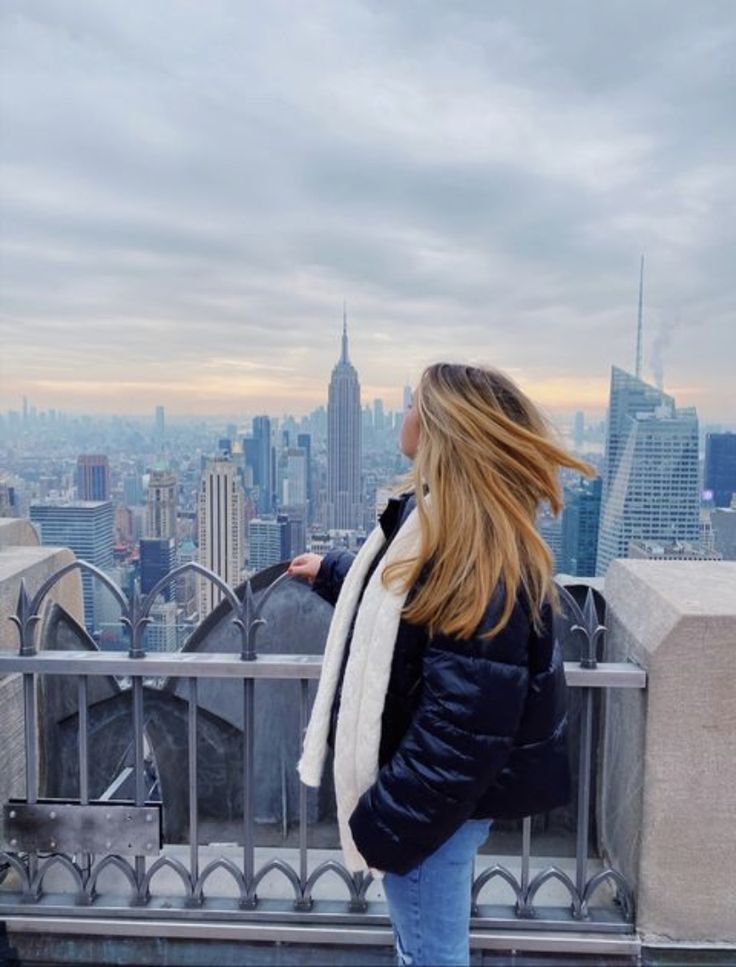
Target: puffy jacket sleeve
460,737
335,565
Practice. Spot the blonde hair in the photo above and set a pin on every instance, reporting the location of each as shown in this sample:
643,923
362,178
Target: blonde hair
488,457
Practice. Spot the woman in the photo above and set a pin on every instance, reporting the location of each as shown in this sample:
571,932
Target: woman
442,688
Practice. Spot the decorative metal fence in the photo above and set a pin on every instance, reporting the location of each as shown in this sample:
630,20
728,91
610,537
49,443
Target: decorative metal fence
85,837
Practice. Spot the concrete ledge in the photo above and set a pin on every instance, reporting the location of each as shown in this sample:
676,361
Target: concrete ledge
17,532
306,934
34,564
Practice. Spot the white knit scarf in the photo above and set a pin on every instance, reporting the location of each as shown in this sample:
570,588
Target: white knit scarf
358,729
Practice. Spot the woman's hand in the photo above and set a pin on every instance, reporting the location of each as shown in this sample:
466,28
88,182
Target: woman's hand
305,566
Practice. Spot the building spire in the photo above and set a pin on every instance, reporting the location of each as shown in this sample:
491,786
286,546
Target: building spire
639,319
344,357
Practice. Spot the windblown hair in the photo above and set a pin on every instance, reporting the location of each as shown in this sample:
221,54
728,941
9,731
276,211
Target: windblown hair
488,457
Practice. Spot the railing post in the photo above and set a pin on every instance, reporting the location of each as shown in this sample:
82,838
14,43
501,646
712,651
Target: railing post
192,710
304,902
248,629
25,620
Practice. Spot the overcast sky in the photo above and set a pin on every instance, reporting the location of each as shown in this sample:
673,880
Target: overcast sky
191,189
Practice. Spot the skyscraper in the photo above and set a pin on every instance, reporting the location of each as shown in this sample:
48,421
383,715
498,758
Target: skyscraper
294,494
723,522
344,443
85,526
221,516
158,558
93,476
304,440
8,499
720,467
258,457
378,414
650,480
580,523
132,489
268,540
550,529
161,505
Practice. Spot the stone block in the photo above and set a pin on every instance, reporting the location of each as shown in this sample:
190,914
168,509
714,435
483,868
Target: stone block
668,796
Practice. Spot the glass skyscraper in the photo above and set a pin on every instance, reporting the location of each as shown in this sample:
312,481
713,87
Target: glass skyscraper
580,524
650,480
258,455
720,467
85,526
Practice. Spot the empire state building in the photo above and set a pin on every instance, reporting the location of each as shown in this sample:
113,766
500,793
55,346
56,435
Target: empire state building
344,444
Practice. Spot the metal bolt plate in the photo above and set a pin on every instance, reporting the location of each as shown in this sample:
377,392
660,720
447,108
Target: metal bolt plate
71,828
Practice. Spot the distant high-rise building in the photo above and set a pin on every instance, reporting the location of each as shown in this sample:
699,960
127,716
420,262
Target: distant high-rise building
259,457
85,526
296,536
187,587
93,476
161,505
158,558
268,540
720,467
378,414
650,480
578,432
159,423
124,525
221,514
550,529
162,633
304,441
344,444
8,500
294,494
580,522
407,397
723,522
132,489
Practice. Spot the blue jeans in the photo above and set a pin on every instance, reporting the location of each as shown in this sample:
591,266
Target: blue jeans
429,906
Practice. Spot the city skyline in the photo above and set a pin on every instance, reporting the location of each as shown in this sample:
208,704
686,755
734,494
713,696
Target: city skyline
550,394
184,217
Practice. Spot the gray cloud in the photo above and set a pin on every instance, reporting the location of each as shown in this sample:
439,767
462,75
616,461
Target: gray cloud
183,184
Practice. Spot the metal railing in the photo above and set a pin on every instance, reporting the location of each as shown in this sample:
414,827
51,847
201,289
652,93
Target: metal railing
28,865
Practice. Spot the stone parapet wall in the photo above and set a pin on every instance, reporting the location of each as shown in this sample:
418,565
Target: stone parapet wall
34,564
668,790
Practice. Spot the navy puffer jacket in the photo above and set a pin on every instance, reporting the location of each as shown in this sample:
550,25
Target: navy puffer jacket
470,728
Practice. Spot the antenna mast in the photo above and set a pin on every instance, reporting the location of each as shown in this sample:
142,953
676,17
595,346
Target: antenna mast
344,357
639,319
